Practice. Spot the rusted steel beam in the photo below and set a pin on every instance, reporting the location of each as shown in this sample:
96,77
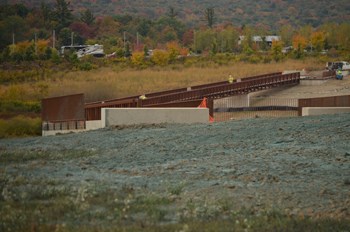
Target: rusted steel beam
227,89
333,101
167,92
64,108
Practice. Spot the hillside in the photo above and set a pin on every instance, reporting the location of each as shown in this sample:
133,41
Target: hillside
288,174
267,13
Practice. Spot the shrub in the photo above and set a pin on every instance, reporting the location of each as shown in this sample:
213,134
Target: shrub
160,57
254,59
138,59
19,106
85,66
20,126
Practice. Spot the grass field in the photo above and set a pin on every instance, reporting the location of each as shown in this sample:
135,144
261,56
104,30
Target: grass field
111,82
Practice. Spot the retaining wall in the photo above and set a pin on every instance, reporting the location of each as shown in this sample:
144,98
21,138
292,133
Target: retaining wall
309,111
131,116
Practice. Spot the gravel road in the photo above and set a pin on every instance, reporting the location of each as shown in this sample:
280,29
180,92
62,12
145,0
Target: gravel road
297,165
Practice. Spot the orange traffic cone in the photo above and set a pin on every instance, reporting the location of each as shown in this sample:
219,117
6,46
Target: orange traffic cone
204,105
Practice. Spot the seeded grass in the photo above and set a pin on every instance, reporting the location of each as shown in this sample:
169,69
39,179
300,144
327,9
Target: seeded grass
20,126
20,156
47,204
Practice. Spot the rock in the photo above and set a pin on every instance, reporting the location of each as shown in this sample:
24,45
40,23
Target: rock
347,154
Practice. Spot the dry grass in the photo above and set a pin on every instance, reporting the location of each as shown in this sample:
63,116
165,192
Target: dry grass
110,82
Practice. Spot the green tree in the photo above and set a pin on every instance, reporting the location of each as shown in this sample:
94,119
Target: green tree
276,50
227,39
247,43
87,17
209,16
286,33
62,14
204,40
12,26
172,13
127,52
65,37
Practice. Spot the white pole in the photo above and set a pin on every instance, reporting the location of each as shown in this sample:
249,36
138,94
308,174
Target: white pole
72,40
137,39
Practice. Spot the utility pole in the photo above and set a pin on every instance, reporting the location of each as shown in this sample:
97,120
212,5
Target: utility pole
13,38
137,39
124,40
35,45
194,41
53,38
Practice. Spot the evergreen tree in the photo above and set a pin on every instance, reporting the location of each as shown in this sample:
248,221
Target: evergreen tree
87,17
209,15
62,14
172,13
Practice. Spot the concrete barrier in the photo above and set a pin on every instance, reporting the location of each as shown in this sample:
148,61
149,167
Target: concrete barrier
309,111
131,116
93,125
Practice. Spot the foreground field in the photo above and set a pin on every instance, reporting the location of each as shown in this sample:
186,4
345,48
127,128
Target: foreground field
287,174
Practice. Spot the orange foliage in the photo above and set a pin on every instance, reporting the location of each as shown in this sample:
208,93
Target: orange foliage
42,45
299,42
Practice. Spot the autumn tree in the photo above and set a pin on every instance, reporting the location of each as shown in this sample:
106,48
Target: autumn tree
318,40
138,59
299,44
160,57
173,49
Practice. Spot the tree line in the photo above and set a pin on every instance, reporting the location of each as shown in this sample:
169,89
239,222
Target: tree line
37,33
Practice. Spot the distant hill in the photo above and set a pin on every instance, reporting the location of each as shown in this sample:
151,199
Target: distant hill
267,13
